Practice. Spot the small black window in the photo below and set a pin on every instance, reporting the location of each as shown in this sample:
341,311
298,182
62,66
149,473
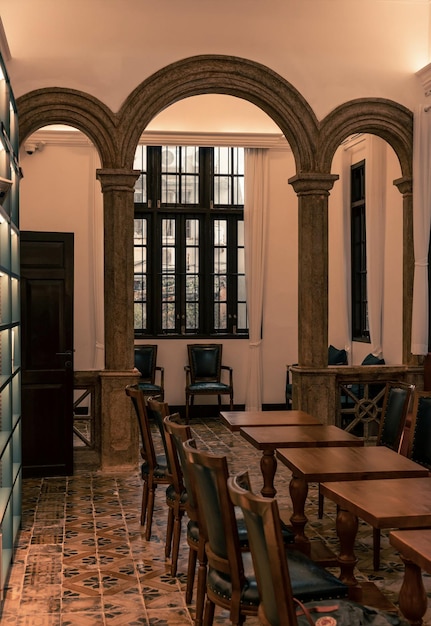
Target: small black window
360,328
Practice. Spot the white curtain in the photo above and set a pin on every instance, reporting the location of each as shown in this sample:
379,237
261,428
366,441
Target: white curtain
375,208
255,210
421,227
347,317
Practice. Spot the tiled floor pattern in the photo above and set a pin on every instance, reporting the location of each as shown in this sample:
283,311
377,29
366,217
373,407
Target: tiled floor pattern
82,559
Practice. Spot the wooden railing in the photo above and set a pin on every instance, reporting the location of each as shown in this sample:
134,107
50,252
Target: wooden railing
86,420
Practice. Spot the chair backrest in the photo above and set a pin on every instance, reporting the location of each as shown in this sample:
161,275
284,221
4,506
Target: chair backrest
262,519
394,414
173,460
157,411
145,362
138,400
336,356
217,516
177,434
419,449
205,362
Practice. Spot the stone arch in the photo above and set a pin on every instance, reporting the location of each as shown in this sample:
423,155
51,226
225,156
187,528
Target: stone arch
387,119
223,75
68,106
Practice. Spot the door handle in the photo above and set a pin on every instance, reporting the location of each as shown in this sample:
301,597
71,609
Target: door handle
67,353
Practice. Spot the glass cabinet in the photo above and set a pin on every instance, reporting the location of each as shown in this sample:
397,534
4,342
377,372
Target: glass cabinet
10,387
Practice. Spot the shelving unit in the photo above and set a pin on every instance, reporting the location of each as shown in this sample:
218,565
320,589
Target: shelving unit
10,351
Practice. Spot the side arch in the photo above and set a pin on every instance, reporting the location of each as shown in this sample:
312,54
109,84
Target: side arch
209,74
387,119
55,105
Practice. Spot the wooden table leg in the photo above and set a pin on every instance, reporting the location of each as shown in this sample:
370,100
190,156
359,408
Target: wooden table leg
347,528
268,466
298,489
413,598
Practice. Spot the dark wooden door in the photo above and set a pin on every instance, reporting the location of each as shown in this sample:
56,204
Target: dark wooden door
47,353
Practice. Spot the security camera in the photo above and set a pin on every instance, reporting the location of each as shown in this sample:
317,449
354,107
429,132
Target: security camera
32,146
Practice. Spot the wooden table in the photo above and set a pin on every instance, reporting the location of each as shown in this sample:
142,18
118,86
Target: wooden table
338,464
235,420
269,438
385,503
415,551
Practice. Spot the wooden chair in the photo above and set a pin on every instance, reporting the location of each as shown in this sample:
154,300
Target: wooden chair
204,374
231,583
178,434
176,494
154,470
279,604
146,364
419,445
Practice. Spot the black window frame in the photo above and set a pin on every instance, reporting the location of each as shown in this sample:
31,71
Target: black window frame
151,208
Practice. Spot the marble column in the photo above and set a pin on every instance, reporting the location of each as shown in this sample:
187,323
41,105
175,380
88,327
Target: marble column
119,434
405,187
311,392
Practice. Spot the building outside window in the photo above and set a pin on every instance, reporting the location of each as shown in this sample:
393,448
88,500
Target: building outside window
189,242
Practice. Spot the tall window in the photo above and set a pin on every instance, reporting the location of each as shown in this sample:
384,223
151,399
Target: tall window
360,328
189,242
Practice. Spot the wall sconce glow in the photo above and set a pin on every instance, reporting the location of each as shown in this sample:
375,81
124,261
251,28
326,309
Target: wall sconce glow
2,219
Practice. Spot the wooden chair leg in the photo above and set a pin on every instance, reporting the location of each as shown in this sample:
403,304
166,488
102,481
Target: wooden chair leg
191,570
376,549
169,532
144,502
150,509
176,541
320,505
202,583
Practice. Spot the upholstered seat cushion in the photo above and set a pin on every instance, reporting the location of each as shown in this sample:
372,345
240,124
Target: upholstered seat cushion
309,581
149,387
171,495
161,470
208,387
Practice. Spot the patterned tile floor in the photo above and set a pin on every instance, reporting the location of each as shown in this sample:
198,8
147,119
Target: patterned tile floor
82,558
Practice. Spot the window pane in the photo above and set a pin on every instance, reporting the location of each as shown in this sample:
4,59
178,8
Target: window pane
242,316
168,316
192,274
241,288
222,190
140,273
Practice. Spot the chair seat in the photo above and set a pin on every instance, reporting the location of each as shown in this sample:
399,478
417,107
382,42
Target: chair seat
311,582
150,387
160,471
171,495
220,584
208,387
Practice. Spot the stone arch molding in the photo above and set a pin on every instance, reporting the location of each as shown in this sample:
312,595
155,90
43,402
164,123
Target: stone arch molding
313,143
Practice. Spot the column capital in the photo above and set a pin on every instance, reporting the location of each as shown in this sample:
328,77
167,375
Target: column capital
313,183
404,185
117,179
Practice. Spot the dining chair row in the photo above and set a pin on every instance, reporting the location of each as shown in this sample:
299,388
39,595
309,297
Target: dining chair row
205,373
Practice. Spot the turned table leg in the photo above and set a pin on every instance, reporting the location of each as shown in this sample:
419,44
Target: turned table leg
347,528
298,489
413,598
268,466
